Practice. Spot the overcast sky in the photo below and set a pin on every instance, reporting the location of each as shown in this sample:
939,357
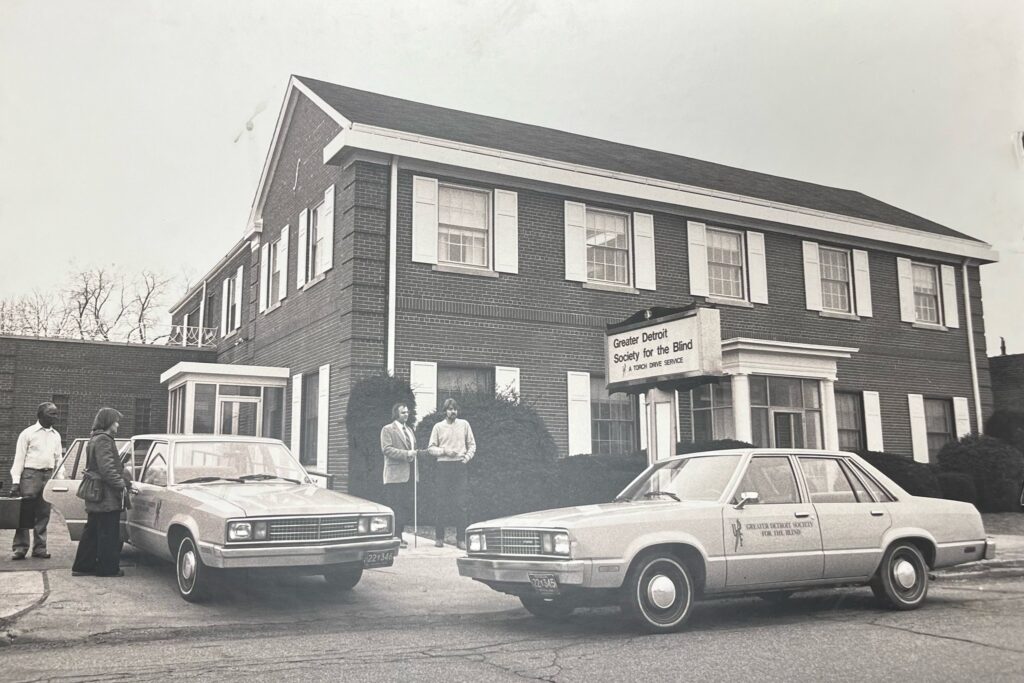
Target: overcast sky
134,133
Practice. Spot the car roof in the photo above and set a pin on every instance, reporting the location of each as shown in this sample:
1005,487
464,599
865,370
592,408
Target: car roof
206,437
763,451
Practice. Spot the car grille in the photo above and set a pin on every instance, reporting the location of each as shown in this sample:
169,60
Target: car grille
298,529
512,541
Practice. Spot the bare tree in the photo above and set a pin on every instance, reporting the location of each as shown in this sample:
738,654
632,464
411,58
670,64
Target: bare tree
148,288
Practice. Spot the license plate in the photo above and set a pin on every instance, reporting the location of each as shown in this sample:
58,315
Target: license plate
545,584
378,558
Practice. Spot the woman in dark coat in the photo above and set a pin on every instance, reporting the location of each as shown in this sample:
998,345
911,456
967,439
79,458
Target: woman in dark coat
99,551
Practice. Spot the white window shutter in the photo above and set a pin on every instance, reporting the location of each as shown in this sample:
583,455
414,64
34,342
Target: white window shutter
576,241
506,381
961,416
239,280
918,427
264,275
951,315
282,260
579,412
642,410
506,231
323,410
224,306
873,421
758,268
300,257
325,225
296,414
905,273
697,249
812,276
423,380
643,250
424,219
862,283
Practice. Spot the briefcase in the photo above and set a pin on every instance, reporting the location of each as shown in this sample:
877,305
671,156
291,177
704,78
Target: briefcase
17,513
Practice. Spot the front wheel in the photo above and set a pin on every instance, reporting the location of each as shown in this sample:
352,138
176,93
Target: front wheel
659,593
344,578
901,582
193,576
553,608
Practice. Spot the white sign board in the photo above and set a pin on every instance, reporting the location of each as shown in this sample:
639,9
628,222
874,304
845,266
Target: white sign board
673,348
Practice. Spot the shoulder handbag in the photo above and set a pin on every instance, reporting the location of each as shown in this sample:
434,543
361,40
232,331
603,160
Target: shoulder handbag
91,488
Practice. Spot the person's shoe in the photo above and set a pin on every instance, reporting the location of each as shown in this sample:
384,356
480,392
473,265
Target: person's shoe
403,544
74,573
439,543
18,555
120,572
462,545
41,556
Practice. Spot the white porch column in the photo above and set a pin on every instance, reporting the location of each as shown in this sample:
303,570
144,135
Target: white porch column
661,424
190,406
741,408
829,422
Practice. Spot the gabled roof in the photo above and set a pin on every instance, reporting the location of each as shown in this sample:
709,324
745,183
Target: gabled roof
362,107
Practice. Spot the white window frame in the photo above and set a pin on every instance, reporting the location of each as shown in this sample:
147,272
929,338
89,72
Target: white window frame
914,266
489,218
744,265
848,255
314,255
273,293
630,276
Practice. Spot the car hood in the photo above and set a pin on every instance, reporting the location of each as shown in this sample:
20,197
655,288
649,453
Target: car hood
584,516
275,499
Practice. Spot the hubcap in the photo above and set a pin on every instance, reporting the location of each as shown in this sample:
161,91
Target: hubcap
905,574
661,591
188,565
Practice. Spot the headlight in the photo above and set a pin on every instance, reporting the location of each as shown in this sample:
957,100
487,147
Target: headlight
239,531
477,542
561,542
380,524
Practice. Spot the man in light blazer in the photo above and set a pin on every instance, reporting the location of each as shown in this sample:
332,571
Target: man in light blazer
398,444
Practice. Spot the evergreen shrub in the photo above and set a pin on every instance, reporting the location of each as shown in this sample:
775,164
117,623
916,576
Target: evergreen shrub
914,477
590,479
996,467
958,486
1008,426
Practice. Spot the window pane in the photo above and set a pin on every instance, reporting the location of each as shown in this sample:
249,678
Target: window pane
785,392
721,394
458,382
612,420
723,424
938,417
273,412
607,247
310,409
205,408
812,429
702,425
759,427
812,397
826,482
725,263
773,480
849,418
926,293
463,228
701,396
835,280
758,391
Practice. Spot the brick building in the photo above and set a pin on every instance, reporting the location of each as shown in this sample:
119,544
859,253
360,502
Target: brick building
81,377
466,252
1008,381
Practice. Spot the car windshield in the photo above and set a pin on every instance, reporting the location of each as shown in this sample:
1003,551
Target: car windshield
699,478
233,460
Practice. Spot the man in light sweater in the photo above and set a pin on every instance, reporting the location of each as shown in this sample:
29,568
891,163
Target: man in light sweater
452,443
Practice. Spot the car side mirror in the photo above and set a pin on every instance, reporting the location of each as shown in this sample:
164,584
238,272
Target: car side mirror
747,497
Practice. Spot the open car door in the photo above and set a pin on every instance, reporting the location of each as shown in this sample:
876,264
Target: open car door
62,490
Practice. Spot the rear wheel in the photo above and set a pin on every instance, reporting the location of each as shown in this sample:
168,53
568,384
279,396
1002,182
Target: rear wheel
901,582
659,592
193,576
552,608
344,578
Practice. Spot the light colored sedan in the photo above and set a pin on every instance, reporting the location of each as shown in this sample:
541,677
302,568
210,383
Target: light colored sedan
211,503
758,521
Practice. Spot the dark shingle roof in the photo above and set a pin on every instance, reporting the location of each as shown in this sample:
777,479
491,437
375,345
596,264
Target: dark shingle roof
369,108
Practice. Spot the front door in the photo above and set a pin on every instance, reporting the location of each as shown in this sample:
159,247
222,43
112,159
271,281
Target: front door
775,540
239,417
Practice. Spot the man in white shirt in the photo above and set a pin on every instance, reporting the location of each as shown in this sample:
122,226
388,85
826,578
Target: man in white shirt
453,444
37,454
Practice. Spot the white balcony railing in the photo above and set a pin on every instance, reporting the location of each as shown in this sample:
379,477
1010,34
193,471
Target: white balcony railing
183,335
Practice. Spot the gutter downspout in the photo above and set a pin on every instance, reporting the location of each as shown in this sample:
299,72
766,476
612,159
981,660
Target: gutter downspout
392,263
970,347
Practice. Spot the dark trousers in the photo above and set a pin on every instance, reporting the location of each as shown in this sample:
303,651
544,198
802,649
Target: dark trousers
451,484
399,497
32,483
99,551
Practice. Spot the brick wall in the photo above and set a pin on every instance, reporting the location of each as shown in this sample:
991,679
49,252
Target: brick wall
1008,381
91,375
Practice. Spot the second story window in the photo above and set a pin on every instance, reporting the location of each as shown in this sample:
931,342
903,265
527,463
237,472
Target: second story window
725,263
231,303
314,242
607,247
835,280
463,226
274,266
926,293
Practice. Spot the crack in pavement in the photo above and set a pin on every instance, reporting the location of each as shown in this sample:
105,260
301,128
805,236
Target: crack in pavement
6,637
939,636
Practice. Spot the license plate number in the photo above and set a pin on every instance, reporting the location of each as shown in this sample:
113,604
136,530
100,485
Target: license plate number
545,584
378,558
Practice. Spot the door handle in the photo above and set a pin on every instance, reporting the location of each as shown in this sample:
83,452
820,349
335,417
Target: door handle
60,489
801,515
877,513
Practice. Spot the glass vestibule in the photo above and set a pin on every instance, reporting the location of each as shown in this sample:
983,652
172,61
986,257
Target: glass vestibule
785,412
221,408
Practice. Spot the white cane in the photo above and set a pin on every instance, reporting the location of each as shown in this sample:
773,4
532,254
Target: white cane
415,500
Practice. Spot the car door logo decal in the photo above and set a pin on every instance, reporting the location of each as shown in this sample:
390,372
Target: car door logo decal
737,533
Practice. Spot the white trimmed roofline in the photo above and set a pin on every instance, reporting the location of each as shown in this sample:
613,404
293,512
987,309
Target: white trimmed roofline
487,159
232,253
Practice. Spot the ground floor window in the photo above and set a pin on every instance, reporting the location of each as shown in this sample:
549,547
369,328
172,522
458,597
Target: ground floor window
938,417
712,411
612,420
459,382
141,415
310,418
785,412
176,411
850,420
273,412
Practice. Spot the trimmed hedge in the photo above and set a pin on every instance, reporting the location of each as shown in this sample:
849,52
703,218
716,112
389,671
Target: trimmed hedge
590,479
369,409
514,468
716,445
996,467
1008,426
958,486
914,477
